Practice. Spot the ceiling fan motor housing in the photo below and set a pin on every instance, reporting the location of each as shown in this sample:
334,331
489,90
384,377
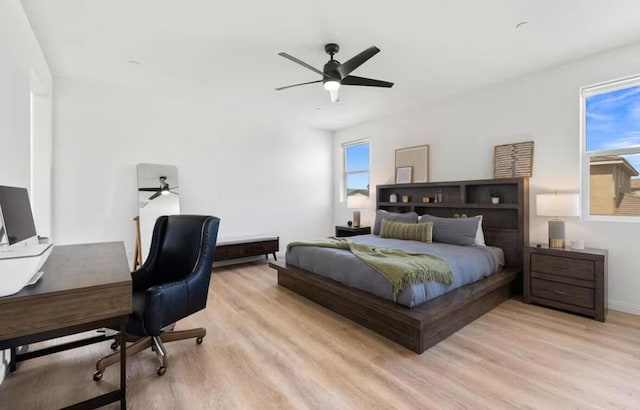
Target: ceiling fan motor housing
331,71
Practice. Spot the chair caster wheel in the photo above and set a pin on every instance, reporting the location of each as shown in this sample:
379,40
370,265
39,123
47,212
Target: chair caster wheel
115,345
199,341
97,376
162,370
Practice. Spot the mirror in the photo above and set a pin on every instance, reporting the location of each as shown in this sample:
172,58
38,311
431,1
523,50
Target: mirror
158,194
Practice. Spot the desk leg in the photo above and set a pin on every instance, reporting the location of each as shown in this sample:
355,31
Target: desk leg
123,365
12,359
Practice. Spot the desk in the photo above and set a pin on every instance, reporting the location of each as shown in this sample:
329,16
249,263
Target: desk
84,287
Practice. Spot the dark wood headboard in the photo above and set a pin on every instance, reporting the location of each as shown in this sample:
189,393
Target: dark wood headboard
505,225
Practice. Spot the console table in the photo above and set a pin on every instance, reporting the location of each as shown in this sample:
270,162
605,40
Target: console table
245,246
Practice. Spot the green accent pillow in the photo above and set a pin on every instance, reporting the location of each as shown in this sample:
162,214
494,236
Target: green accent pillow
399,230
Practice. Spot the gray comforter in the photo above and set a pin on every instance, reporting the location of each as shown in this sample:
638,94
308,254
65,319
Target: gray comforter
468,264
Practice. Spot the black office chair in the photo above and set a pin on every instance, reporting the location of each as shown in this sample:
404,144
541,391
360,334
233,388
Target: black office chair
172,284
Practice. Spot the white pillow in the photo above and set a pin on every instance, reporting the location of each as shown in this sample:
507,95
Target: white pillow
479,233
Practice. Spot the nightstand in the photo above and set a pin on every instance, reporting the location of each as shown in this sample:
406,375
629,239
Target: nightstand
344,231
567,279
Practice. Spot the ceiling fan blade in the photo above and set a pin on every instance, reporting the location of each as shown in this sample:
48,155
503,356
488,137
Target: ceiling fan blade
334,96
346,68
154,196
296,85
148,189
302,63
369,82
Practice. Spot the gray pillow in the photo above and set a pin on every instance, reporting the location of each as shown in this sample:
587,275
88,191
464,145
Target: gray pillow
456,231
406,217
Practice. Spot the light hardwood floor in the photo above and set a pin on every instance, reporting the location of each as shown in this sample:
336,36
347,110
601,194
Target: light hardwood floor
270,348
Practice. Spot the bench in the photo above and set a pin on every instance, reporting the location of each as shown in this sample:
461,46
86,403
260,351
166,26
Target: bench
246,246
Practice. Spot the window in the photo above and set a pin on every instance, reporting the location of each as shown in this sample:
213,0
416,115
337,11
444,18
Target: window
356,168
611,150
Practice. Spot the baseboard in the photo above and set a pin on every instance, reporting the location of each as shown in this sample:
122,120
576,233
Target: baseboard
624,307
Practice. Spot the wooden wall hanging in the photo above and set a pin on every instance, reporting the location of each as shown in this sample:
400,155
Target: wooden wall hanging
513,160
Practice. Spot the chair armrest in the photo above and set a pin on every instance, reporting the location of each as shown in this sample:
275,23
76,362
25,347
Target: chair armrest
165,304
141,279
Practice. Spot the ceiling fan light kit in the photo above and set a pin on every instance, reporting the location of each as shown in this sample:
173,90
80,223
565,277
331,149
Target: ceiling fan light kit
335,74
331,85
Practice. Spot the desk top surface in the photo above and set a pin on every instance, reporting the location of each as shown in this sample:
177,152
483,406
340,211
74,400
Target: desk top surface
74,267
83,287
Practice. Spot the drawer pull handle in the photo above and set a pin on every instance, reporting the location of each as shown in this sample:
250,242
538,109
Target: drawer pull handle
559,292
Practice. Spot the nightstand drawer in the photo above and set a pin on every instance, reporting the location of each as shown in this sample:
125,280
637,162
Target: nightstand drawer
557,265
560,292
262,247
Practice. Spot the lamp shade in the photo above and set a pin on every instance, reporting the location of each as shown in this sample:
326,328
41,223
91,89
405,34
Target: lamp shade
558,204
357,201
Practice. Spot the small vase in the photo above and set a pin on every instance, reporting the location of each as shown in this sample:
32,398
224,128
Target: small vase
495,200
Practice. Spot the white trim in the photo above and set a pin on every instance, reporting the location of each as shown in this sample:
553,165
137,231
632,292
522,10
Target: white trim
345,145
610,85
624,307
585,163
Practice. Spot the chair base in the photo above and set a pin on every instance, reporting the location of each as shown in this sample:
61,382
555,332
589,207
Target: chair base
156,343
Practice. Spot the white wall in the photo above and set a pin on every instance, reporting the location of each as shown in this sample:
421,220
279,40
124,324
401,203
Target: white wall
257,174
20,55
462,131
23,69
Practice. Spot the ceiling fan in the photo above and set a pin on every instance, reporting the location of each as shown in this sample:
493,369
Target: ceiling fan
336,74
163,189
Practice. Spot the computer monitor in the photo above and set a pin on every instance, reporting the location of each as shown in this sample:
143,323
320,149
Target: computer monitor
16,218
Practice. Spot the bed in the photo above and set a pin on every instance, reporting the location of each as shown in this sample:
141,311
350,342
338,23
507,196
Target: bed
424,313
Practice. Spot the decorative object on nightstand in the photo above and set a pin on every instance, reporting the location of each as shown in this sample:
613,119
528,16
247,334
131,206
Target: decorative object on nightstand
345,231
557,205
357,202
567,279
393,198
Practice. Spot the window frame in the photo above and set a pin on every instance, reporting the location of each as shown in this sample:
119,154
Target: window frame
345,173
585,156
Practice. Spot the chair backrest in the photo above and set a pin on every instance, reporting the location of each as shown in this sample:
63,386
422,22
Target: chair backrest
182,247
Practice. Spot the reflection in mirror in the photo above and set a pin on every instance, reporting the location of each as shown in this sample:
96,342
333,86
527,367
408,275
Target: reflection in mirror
158,194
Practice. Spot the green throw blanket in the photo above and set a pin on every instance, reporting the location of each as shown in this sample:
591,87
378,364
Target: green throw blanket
398,267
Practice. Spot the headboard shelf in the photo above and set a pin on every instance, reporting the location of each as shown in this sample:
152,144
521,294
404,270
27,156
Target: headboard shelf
505,224
448,205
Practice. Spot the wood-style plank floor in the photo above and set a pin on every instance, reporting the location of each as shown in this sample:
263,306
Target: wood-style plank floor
267,347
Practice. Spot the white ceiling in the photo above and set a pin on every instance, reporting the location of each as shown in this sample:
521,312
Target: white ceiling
227,50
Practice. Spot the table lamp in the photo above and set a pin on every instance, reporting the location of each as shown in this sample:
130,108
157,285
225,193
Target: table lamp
557,205
357,202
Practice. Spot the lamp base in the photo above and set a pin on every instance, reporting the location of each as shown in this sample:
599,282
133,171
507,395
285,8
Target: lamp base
356,219
556,243
556,233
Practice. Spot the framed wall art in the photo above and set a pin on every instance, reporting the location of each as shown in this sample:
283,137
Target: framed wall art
404,175
417,158
513,160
